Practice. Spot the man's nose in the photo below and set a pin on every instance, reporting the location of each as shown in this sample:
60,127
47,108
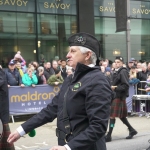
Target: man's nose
68,55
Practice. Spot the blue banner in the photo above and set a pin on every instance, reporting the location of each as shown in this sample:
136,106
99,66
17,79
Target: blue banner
28,100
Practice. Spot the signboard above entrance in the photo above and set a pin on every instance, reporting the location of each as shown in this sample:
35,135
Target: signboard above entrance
138,9
57,6
18,5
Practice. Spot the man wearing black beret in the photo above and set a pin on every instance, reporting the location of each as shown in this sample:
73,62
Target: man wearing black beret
82,106
120,86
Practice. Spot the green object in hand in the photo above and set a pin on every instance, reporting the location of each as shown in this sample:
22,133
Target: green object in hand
32,133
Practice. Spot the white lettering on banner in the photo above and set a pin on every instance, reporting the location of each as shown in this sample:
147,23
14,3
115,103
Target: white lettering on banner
14,2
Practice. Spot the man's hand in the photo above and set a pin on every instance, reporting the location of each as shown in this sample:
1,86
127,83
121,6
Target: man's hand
58,148
147,89
56,83
13,137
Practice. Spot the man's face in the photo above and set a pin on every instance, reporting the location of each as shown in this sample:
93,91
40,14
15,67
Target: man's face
118,63
130,64
74,56
48,65
63,64
55,64
11,67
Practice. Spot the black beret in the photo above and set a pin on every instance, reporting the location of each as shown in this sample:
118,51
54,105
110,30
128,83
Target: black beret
85,40
120,58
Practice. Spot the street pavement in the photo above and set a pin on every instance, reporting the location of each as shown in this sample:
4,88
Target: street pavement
45,136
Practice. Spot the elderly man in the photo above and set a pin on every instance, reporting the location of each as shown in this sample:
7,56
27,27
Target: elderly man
82,106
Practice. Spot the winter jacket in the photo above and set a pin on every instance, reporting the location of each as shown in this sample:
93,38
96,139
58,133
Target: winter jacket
27,81
48,72
88,96
121,80
52,79
13,78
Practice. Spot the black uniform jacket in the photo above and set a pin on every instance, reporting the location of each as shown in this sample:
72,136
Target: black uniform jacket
121,80
4,101
88,102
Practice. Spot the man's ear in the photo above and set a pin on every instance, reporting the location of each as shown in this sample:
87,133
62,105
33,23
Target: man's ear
88,55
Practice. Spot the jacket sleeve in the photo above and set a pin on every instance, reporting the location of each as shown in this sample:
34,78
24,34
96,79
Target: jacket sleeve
124,80
97,105
34,79
51,80
26,81
46,115
2,81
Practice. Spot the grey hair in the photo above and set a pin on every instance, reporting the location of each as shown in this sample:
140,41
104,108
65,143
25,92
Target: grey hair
40,68
93,56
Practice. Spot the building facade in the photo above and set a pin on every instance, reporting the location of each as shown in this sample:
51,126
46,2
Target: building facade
40,28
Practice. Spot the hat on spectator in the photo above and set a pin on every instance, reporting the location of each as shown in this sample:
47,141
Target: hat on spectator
120,58
133,59
130,61
85,40
11,62
17,56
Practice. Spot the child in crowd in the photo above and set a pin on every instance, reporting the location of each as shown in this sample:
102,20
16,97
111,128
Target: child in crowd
29,78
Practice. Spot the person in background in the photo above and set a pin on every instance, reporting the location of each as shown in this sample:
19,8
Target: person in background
139,67
55,66
19,58
12,75
133,76
55,79
29,78
63,68
82,106
69,71
147,86
59,63
130,64
48,70
4,112
142,76
18,66
41,77
120,86
45,65
148,66
35,65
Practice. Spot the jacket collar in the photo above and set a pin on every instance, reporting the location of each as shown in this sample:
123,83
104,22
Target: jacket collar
81,70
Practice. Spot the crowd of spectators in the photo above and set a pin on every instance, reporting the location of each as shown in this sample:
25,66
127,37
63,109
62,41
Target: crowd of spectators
138,71
19,73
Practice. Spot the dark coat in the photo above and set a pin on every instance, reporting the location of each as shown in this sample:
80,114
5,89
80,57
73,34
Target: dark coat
142,76
13,79
89,104
121,80
4,101
63,72
48,72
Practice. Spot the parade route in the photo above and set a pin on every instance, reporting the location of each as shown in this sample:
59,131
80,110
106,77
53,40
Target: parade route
45,136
